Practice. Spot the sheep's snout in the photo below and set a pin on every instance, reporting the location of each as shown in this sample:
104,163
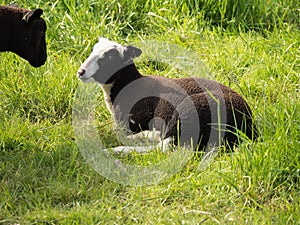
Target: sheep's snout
80,73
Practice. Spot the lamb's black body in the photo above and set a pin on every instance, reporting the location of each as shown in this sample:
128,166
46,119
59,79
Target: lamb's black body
171,100
190,111
22,31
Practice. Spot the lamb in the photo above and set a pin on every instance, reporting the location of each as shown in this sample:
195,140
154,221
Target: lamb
23,32
194,112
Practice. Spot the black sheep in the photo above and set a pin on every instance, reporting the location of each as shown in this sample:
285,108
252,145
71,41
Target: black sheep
183,111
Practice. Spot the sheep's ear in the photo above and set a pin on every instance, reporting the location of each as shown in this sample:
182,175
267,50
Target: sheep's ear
36,13
132,52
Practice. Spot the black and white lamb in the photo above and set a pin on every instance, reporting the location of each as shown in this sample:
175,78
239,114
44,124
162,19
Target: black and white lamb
23,32
183,111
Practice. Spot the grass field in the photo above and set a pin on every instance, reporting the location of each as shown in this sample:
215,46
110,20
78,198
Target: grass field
252,46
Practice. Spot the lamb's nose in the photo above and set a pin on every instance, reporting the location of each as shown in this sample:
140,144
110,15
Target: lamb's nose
81,72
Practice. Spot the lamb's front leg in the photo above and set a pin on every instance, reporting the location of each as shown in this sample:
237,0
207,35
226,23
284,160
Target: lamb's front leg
163,145
130,149
149,136
152,138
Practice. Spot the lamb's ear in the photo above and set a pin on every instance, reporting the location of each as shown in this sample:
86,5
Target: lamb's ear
36,13
132,52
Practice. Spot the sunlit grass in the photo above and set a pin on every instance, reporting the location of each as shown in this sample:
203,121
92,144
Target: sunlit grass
251,46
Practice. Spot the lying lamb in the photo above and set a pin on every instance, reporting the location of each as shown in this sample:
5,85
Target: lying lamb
23,32
183,111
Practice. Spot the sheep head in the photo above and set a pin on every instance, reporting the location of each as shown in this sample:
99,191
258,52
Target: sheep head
106,59
24,34
32,41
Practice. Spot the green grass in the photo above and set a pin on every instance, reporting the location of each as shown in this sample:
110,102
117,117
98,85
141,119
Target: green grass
251,46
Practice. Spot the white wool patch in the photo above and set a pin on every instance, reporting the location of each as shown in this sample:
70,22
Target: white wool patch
104,45
106,90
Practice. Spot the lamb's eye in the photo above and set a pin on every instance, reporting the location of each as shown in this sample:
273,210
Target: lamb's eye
111,54
107,55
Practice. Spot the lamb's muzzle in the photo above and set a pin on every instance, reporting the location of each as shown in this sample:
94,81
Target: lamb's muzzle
80,73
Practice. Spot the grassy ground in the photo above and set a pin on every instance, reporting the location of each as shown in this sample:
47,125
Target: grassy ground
251,46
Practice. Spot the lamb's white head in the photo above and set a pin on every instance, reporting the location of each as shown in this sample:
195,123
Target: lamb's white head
106,59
